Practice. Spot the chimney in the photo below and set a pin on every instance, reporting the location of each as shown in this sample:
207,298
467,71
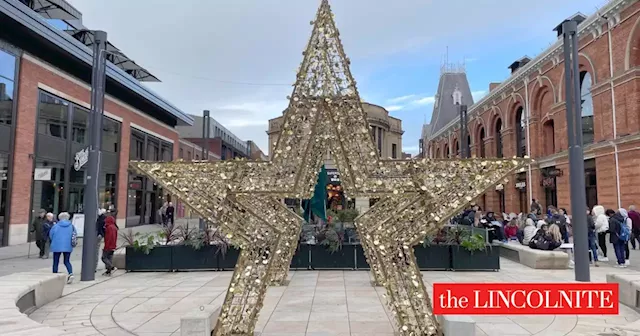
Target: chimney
493,86
578,17
519,64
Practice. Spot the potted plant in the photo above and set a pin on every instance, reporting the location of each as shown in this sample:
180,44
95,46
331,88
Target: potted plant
474,254
435,252
144,254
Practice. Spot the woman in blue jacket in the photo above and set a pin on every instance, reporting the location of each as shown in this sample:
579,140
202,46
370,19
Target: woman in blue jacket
63,236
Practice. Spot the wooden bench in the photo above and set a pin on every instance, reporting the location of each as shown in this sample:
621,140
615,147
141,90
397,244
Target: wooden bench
199,322
533,258
457,325
22,293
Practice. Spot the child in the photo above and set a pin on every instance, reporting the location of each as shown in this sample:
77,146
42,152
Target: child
511,230
110,240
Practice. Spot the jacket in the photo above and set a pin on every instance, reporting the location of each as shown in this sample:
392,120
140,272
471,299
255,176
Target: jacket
635,220
36,227
60,235
46,228
602,223
111,234
615,226
591,227
100,225
627,221
529,231
511,231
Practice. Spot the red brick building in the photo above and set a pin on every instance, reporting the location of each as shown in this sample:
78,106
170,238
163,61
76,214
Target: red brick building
525,115
45,76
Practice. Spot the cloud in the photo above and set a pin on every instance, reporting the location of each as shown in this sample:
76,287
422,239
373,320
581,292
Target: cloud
400,99
409,102
394,108
477,95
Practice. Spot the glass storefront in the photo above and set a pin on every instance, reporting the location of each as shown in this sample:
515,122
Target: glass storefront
8,89
63,132
145,198
550,188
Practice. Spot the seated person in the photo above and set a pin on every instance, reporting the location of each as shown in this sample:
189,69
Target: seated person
547,238
490,221
528,231
511,230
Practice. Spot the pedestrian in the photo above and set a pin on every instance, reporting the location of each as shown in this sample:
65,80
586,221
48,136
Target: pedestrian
100,233
629,226
63,239
536,208
37,229
635,223
170,213
163,213
616,236
592,236
49,222
110,240
560,220
602,228
567,219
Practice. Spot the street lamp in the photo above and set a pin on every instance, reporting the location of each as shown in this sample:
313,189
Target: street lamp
576,157
91,198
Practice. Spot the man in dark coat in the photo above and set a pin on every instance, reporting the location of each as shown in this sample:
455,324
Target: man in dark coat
36,229
170,213
616,221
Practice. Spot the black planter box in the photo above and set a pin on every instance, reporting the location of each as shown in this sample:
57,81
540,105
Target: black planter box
187,258
227,261
464,260
322,258
361,259
433,257
300,259
158,259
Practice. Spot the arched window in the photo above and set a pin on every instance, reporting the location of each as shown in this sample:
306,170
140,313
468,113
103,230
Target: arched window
446,151
521,132
481,148
548,138
457,148
587,107
498,135
438,153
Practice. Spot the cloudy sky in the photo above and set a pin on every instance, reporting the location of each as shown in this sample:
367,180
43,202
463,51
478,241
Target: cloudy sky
238,58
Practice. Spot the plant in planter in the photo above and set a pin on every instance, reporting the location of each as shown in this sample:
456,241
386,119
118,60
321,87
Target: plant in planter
474,243
169,234
139,242
347,215
331,239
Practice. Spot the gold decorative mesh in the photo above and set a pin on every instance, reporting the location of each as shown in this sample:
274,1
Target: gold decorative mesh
244,198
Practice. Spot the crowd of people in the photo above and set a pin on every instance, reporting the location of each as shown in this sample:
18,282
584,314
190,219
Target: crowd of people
549,230
60,238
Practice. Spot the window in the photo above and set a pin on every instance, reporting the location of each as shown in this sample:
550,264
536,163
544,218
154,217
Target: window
136,149
181,155
481,147
7,75
153,149
110,135
521,135
167,152
548,139
52,119
79,125
189,156
498,131
446,152
380,141
586,104
197,157
394,149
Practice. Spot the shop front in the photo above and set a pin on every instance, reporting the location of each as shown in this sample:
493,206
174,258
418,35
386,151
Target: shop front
61,157
144,197
550,187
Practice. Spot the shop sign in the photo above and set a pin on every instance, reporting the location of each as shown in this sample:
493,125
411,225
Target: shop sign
42,174
334,176
521,185
3,175
499,187
81,159
553,172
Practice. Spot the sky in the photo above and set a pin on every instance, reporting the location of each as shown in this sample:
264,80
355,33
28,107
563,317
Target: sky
238,58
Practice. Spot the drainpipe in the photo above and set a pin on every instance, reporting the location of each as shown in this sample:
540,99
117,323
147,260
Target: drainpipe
528,119
613,108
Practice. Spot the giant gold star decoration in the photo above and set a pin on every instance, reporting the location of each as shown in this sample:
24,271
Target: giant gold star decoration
244,198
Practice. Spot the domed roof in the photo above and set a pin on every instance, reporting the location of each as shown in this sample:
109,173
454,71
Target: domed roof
375,111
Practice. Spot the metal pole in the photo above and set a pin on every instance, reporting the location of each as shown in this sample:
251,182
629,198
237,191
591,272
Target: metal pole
93,171
467,149
461,140
207,135
576,159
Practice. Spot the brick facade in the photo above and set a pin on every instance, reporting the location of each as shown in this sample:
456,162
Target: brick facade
36,75
616,126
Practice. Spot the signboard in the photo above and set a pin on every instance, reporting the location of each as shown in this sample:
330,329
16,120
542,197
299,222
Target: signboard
42,174
3,175
78,222
81,158
521,185
334,176
499,187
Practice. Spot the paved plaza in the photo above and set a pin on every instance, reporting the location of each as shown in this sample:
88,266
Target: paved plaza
316,303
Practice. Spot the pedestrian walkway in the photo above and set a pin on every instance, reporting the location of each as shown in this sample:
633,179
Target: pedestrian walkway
328,303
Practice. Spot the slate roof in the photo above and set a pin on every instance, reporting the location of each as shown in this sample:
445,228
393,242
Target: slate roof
444,110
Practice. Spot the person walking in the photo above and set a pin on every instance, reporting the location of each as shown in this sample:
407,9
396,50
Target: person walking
616,237
110,240
629,226
635,224
170,213
163,213
37,229
602,228
63,239
592,236
100,233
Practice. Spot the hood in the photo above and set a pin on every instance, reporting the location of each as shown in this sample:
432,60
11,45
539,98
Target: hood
541,223
110,221
64,223
533,217
623,212
598,210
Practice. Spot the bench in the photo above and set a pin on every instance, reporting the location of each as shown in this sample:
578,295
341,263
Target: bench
22,293
200,322
457,325
533,258
629,288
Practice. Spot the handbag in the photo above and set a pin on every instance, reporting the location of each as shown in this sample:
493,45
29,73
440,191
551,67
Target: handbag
74,238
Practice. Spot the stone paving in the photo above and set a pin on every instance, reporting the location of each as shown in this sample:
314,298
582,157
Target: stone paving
316,303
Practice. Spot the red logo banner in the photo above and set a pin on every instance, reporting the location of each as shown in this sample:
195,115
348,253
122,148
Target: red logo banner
525,299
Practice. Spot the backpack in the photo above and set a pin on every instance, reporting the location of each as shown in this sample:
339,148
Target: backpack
624,232
74,238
